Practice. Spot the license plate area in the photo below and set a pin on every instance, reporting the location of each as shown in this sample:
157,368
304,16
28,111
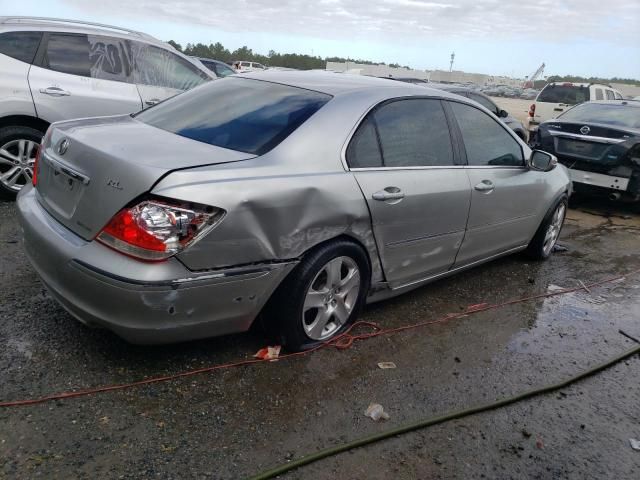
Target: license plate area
60,187
578,148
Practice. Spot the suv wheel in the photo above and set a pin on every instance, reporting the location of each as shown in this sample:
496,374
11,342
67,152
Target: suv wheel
18,148
322,296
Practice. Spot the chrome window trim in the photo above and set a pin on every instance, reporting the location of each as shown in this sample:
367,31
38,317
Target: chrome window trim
451,167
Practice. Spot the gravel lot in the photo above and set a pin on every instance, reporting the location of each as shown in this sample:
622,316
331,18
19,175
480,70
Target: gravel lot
237,422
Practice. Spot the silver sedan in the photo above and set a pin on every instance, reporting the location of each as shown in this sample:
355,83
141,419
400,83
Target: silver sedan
299,196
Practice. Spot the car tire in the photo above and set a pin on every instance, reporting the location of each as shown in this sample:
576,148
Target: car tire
321,297
548,232
10,138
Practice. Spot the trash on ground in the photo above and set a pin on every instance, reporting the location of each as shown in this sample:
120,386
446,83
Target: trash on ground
376,412
554,288
635,444
268,353
560,248
385,365
539,444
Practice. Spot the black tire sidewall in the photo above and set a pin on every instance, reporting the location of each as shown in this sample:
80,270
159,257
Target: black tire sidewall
8,134
286,305
536,248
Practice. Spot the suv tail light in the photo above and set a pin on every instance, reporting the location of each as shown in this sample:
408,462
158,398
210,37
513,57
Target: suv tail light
532,110
155,230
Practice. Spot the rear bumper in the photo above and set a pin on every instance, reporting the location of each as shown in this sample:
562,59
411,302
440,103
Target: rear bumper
143,303
599,180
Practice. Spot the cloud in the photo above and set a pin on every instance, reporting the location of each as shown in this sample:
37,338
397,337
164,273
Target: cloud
548,20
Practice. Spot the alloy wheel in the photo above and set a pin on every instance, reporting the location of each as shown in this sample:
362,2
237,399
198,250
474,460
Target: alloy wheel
330,298
553,230
17,159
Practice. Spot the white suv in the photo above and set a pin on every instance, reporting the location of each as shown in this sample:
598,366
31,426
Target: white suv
242,67
557,97
53,69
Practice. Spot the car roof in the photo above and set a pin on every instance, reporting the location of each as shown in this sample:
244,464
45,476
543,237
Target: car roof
338,83
18,23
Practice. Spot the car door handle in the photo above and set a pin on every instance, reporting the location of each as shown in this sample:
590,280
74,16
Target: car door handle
152,101
55,92
389,193
485,186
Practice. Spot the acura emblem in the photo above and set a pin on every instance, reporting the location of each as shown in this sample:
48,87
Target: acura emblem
63,146
585,130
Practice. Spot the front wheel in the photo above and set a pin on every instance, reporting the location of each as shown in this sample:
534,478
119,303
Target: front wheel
547,235
322,296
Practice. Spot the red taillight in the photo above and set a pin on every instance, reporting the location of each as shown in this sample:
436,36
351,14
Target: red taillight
155,229
36,162
532,110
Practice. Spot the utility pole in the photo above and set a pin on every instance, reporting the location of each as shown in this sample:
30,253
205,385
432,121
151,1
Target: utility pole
453,55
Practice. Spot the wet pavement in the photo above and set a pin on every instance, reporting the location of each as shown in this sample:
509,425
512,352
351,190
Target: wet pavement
233,423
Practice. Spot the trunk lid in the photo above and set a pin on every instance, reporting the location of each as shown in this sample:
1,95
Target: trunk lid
92,168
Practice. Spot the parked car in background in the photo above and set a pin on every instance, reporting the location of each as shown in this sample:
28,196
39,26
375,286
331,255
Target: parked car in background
218,68
482,99
242,66
316,193
600,144
556,97
53,69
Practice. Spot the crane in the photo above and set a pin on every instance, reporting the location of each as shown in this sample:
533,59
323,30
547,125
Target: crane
528,83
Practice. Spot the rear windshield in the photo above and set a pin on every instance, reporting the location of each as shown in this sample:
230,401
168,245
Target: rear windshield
246,115
617,115
564,94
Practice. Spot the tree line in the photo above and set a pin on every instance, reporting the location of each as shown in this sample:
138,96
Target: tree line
217,51
299,61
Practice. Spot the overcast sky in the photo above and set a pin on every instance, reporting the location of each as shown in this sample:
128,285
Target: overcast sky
585,37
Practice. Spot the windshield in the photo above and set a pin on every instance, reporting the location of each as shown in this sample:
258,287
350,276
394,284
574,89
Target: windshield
569,94
612,114
250,116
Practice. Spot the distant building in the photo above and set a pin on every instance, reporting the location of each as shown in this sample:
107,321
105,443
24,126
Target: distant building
433,75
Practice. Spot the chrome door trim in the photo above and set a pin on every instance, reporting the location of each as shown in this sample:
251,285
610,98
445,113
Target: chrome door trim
67,170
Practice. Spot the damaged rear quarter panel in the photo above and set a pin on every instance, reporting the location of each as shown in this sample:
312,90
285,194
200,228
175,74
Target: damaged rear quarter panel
271,217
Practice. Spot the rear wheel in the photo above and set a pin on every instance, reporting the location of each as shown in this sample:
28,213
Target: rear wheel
545,239
18,148
322,296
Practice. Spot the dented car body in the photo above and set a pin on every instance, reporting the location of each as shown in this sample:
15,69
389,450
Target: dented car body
262,186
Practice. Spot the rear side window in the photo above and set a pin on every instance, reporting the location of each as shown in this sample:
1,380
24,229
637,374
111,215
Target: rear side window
486,142
68,53
161,68
364,151
599,94
236,113
414,133
569,94
20,45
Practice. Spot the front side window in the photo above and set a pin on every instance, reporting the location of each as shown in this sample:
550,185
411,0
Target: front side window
236,113
617,95
20,45
68,53
158,67
414,133
486,141
610,95
569,94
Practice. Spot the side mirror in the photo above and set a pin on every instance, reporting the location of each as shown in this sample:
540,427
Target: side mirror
542,161
503,114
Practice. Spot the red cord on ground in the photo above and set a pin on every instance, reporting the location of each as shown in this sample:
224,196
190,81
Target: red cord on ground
341,342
